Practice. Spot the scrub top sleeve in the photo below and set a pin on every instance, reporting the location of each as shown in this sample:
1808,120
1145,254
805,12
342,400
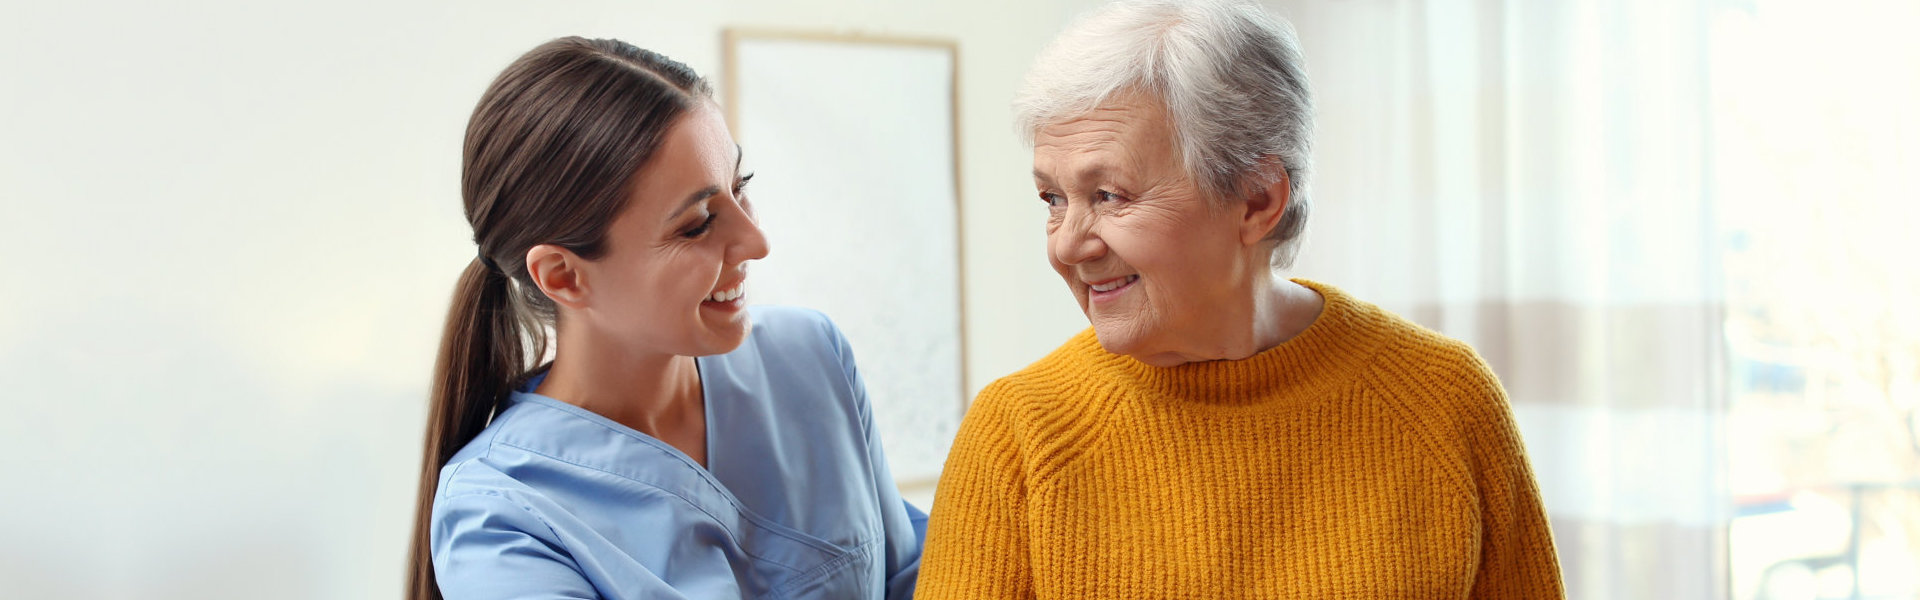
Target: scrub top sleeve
918,518
904,528
488,547
900,583
843,353
903,534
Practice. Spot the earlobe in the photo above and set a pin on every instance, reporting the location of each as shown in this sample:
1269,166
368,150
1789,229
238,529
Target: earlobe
1265,205
559,273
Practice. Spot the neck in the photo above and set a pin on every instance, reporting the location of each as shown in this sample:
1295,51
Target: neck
1282,310
1277,310
654,393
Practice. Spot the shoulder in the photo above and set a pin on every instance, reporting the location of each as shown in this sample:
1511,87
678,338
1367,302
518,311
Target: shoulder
790,322
804,359
789,329
1380,338
1415,360
468,465
538,447
541,469
1060,398
475,496
788,318
1439,388
1401,357
1054,377
471,472
497,534
1439,382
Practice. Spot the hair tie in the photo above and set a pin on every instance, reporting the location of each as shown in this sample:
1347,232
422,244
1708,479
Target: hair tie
482,255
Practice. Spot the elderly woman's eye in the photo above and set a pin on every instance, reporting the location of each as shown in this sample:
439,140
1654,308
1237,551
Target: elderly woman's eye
1053,200
1104,196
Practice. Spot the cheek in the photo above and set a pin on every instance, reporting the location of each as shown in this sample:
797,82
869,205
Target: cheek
691,275
1175,262
664,284
1141,244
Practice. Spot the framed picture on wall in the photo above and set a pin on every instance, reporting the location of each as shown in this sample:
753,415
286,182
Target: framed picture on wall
853,145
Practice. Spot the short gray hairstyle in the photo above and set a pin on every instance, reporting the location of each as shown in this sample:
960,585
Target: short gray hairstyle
1230,75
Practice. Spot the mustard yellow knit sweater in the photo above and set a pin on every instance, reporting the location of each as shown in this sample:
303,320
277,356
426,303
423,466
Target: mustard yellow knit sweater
1367,458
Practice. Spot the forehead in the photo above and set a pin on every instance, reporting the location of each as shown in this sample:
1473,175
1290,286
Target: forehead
696,153
1127,133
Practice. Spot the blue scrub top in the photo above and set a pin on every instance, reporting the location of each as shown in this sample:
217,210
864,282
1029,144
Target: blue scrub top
554,501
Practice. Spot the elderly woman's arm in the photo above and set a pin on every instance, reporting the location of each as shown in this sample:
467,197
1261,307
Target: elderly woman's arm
976,539
1517,558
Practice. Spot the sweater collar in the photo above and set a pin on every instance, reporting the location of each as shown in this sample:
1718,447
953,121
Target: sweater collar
1323,355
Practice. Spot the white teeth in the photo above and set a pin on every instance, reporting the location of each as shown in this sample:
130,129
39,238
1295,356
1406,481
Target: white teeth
727,295
1115,284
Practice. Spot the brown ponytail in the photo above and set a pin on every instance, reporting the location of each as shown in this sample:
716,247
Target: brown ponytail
550,156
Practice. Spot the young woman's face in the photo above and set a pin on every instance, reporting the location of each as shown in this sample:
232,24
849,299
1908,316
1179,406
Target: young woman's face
673,277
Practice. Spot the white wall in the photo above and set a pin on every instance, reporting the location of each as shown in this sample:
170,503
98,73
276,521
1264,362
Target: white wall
231,229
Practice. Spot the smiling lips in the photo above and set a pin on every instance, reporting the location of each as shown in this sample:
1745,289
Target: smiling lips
730,294
1114,283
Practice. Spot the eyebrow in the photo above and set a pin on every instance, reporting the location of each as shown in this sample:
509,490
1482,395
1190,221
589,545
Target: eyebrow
709,191
695,198
1096,172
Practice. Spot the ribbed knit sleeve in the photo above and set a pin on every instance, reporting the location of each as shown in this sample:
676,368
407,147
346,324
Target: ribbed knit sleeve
977,539
1517,558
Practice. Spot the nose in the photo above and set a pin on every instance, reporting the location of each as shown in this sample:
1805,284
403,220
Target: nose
749,242
1076,240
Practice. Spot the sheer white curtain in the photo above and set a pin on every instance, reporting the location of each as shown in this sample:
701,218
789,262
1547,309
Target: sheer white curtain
1533,178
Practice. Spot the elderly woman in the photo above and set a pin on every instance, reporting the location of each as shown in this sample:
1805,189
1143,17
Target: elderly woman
1219,431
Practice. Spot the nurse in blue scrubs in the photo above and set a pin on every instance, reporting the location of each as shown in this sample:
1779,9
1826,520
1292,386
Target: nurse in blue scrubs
679,444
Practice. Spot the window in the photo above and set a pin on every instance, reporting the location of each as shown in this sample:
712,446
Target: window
1816,151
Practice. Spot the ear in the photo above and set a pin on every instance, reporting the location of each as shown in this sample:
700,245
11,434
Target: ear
560,274
1265,204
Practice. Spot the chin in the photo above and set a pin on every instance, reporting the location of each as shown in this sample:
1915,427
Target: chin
736,332
725,337
1117,338
1132,346
1128,339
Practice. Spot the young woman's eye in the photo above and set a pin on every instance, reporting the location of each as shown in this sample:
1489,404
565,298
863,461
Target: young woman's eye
1053,200
740,187
701,229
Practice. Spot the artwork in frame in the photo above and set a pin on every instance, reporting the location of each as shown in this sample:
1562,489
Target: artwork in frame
853,144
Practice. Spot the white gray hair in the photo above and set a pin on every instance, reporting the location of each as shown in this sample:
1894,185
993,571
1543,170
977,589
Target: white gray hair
1230,75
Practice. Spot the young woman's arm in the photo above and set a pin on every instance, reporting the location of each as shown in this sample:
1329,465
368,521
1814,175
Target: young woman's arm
905,524
905,527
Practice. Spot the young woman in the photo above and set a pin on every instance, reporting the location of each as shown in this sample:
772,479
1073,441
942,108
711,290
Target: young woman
679,444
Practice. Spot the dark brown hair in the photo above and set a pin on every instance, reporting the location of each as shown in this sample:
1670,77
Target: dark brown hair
550,156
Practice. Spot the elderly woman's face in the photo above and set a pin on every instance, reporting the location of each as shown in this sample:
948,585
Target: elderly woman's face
1153,263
